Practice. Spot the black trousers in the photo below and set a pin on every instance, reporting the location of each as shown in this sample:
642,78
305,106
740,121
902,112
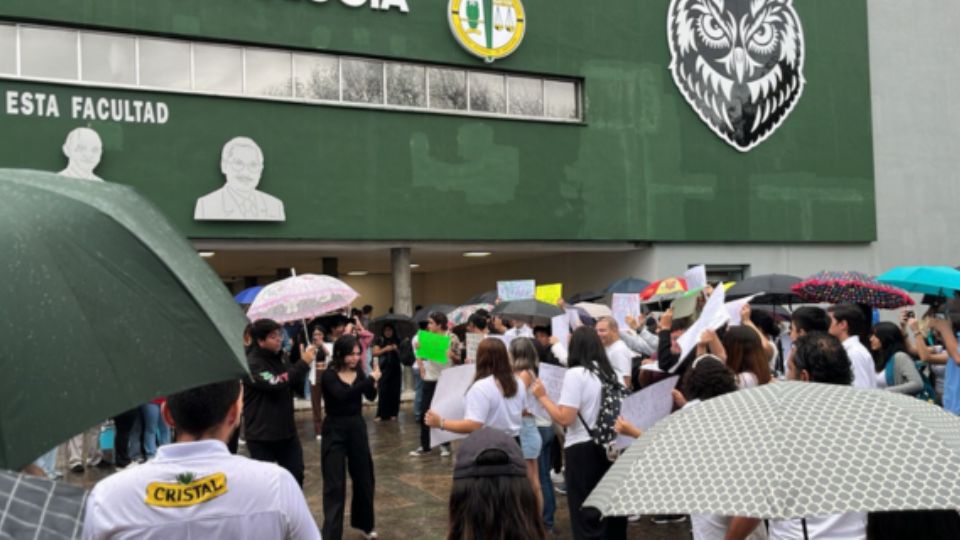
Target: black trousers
429,388
123,423
286,453
388,404
344,448
586,464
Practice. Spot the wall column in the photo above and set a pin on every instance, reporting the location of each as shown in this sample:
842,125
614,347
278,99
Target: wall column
403,303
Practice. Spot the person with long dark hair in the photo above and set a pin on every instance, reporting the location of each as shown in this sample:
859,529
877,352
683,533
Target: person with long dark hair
746,357
345,444
896,371
386,349
495,399
317,336
577,410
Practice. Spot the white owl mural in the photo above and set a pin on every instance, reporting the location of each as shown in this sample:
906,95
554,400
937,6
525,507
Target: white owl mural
739,63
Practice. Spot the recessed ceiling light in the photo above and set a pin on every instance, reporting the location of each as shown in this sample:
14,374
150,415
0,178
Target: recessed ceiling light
207,254
414,265
477,254
358,273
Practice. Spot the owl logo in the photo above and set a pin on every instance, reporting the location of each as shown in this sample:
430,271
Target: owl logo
739,63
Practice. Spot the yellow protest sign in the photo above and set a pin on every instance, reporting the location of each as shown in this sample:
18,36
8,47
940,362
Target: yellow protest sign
551,294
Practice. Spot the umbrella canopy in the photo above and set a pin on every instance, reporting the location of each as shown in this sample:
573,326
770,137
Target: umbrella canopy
933,280
461,314
111,300
489,297
790,450
594,310
586,296
527,310
851,288
774,289
402,325
247,296
664,289
32,507
628,285
301,297
422,313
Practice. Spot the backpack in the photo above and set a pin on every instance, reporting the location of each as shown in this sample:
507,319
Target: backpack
612,394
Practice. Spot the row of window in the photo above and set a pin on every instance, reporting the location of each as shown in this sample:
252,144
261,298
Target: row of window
120,60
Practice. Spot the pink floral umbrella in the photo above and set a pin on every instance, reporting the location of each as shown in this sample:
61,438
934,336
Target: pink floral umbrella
461,314
301,297
851,288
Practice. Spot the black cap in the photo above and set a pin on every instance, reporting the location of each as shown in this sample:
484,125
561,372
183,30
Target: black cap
480,441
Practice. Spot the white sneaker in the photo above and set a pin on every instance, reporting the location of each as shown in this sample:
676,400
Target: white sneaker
444,452
370,535
557,477
419,452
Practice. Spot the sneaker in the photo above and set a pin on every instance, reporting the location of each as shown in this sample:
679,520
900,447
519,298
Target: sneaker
419,452
241,442
369,535
444,451
560,487
666,519
557,477
633,518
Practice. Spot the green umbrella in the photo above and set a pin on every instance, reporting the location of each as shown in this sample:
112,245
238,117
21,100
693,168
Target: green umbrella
106,306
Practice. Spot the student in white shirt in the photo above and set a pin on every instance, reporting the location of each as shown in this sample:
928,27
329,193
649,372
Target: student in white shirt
525,361
195,488
619,355
847,323
496,398
577,411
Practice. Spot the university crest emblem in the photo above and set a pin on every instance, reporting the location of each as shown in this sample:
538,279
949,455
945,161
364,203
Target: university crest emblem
489,29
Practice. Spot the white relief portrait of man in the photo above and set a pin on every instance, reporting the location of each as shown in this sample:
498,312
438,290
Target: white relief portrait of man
238,200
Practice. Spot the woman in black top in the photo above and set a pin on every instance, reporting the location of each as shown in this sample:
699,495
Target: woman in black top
345,440
386,347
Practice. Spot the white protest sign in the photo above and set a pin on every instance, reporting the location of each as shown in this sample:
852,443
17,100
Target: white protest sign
625,305
517,290
696,277
734,308
473,341
713,316
574,316
645,408
552,378
449,400
560,328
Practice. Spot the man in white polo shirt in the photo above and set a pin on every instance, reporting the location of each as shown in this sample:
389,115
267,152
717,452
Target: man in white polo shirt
620,356
847,323
195,488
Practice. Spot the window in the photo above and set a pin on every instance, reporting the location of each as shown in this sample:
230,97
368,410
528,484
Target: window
560,98
269,73
218,68
317,76
448,89
109,58
488,93
165,63
8,49
48,53
526,96
406,85
362,81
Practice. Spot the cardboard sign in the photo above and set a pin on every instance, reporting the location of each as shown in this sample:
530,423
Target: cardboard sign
645,408
449,399
433,347
560,328
552,378
625,305
550,294
517,290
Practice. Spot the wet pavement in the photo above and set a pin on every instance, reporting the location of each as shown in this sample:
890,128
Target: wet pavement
411,492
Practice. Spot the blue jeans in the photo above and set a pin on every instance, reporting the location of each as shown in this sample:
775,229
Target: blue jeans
155,430
546,484
48,462
418,395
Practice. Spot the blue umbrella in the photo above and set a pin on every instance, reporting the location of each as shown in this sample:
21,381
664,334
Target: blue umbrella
246,296
628,285
934,280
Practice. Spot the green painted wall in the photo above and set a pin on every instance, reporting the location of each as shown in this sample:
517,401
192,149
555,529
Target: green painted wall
643,166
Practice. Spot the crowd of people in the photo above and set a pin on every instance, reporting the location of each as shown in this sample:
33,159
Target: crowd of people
505,481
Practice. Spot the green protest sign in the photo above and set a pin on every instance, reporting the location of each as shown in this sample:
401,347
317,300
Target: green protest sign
432,346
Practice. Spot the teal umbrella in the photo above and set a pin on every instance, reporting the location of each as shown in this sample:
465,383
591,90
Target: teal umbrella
106,306
933,280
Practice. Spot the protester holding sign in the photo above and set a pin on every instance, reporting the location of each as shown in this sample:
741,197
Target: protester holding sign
436,349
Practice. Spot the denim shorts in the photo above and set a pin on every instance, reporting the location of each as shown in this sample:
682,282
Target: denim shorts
530,441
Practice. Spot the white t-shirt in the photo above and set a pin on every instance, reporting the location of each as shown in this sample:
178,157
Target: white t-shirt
581,391
852,526
485,404
714,527
621,358
861,361
747,379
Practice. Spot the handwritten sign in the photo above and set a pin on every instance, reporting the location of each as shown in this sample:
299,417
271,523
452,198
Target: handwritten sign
552,378
647,407
625,305
713,316
560,328
550,294
473,342
449,400
696,277
517,290
433,347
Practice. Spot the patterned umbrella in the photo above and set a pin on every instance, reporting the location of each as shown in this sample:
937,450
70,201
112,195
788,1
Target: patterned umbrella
33,507
301,297
594,310
790,450
851,288
664,289
461,314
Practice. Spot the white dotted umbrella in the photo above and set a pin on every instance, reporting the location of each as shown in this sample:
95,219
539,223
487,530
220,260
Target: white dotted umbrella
301,297
790,450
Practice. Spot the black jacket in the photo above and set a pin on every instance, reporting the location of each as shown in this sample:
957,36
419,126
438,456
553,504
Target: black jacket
268,396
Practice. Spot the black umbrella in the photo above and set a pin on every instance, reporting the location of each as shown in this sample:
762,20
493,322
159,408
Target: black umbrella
403,326
489,297
628,285
526,310
586,296
776,289
422,314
